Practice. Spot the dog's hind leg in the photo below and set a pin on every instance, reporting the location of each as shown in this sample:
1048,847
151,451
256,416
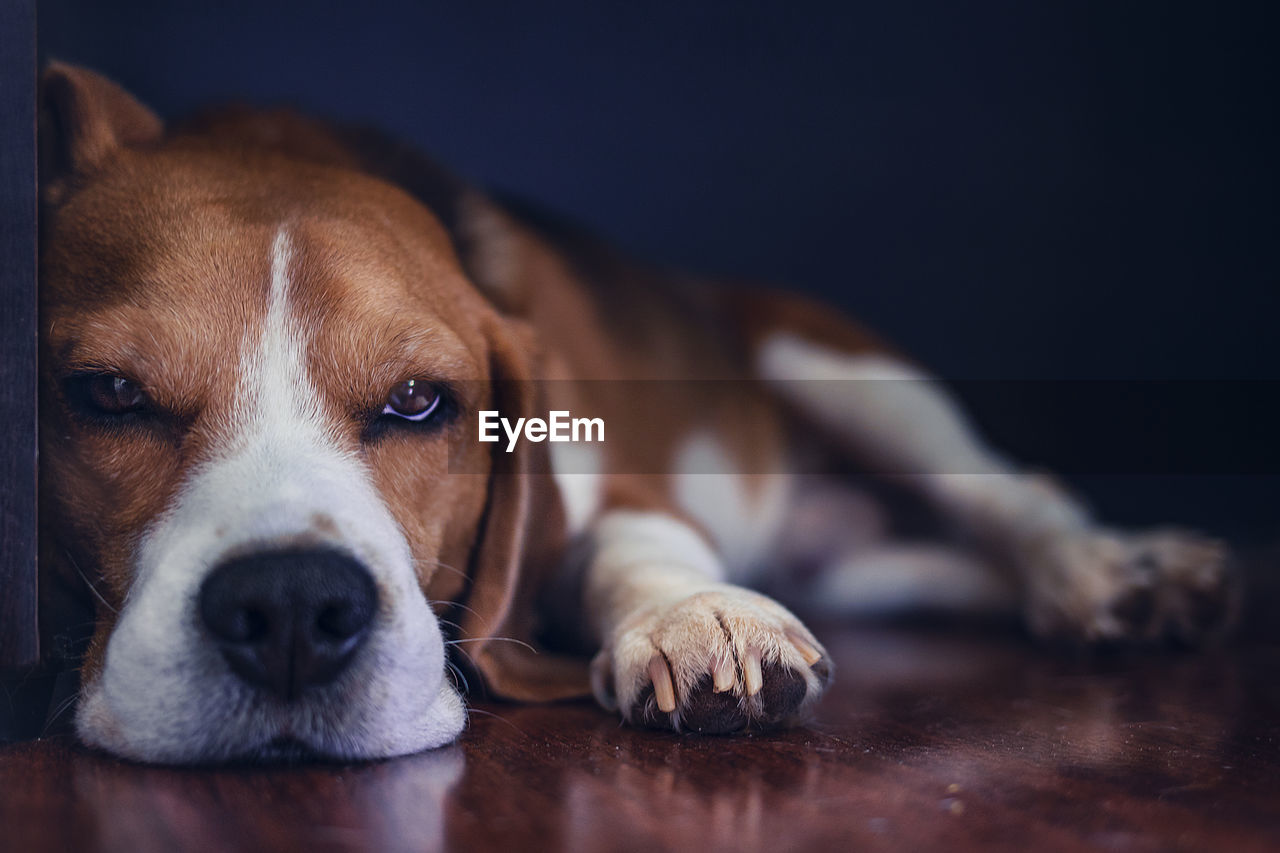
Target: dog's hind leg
1076,579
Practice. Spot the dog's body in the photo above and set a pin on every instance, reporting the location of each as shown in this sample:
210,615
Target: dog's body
265,342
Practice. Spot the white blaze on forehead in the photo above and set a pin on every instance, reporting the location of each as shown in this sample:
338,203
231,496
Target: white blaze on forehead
279,476
274,389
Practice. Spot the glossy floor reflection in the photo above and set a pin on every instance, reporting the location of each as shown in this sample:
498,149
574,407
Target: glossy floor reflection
956,739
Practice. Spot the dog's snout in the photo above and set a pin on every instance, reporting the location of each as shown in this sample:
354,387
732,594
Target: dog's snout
289,620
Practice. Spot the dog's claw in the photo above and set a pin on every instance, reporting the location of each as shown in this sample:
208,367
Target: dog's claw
807,651
723,675
664,692
751,675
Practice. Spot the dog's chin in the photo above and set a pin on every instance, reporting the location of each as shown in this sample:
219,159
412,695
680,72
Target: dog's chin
375,736
286,751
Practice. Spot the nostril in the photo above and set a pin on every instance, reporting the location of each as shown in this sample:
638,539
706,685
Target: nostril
246,625
232,616
341,620
256,626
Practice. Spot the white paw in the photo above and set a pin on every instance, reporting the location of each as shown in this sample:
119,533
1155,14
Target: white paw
717,661
1149,587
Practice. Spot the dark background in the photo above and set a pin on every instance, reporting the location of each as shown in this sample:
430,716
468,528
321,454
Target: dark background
1033,191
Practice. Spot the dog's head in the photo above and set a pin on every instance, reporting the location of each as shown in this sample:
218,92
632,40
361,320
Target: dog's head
256,366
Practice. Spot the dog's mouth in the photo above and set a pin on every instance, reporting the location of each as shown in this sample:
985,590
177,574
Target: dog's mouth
286,751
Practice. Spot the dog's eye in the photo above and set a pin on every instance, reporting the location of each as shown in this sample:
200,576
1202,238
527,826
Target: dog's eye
413,400
111,394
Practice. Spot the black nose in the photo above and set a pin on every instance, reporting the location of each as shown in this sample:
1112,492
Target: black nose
287,620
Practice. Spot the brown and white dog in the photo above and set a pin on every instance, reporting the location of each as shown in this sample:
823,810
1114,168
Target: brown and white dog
265,342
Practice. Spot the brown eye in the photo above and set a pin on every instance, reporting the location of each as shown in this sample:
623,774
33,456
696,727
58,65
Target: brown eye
113,395
413,400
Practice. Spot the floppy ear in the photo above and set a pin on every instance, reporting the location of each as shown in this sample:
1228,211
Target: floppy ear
85,119
518,553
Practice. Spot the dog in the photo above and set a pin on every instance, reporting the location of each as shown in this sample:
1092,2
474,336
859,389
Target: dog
270,348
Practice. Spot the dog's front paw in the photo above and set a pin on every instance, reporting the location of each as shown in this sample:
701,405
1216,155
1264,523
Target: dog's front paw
716,662
1151,587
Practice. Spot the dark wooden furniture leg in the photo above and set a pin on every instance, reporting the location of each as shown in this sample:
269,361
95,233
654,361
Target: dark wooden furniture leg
18,636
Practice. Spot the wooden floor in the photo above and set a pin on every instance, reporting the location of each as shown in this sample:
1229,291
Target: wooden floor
929,739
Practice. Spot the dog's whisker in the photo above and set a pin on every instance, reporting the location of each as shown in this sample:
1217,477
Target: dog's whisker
469,658
62,708
96,594
462,606
498,717
488,639
436,564
458,675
